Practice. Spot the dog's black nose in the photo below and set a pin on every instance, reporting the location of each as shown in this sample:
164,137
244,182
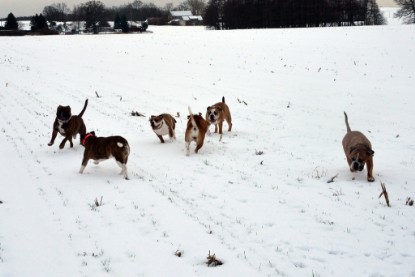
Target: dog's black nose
212,117
356,166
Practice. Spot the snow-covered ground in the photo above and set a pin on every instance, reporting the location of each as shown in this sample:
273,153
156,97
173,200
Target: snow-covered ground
259,198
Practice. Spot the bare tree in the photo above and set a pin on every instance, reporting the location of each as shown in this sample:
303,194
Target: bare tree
195,6
406,11
136,4
168,6
56,12
94,12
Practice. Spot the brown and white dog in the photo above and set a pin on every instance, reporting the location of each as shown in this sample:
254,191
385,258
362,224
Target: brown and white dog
218,113
196,130
163,124
103,148
358,151
68,125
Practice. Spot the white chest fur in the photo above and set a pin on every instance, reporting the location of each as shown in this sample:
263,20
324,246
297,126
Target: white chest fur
163,130
61,130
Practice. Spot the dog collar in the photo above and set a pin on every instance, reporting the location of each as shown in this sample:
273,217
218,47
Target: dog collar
86,137
64,121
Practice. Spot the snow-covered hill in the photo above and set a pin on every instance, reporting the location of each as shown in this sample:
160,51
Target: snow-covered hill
259,198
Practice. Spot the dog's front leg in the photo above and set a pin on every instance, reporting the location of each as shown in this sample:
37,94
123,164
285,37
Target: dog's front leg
161,138
62,145
84,163
349,161
370,177
52,140
171,134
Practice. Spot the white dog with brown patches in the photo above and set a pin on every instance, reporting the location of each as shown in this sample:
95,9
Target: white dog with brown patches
196,130
103,148
162,125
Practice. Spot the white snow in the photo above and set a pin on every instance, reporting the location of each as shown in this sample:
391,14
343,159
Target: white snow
259,198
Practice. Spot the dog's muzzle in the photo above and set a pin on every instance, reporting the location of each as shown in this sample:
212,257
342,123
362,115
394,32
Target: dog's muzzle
356,166
212,118
63,116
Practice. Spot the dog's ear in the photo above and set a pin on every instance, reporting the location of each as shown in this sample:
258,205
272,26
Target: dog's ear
200,114
92,132
370,152
208,108
188,116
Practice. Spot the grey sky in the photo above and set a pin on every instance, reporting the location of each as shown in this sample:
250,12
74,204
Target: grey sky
31,7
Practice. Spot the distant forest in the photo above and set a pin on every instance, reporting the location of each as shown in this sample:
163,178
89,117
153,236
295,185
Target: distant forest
243,14
225,14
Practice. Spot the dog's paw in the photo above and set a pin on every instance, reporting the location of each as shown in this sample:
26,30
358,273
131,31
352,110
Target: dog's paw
370,179
50,143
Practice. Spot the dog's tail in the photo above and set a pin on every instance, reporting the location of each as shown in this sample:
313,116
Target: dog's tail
83,110
347,122
223,99
192,118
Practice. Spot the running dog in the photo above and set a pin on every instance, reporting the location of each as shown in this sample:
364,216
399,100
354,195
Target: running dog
218,113
68,125
163,124
103,148
358,151
196,130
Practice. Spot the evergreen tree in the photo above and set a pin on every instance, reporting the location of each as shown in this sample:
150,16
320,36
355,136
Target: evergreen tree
124,24
117,22
38,22
11,22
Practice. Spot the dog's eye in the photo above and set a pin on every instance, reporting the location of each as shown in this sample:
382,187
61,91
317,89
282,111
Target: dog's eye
215,112
360,160
353,159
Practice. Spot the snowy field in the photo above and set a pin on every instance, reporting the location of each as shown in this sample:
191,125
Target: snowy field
259,198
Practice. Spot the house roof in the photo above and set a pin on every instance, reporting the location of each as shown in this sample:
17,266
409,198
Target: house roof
196,17
181,13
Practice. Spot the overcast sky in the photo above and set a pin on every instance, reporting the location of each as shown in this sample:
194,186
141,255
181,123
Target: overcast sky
31,7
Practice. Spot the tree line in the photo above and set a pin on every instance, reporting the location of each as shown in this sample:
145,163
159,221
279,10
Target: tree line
96,15
225,14
232,14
